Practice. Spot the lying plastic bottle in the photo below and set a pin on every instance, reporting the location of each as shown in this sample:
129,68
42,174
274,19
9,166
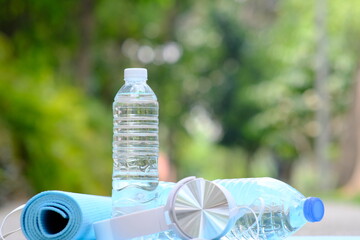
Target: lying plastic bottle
280,209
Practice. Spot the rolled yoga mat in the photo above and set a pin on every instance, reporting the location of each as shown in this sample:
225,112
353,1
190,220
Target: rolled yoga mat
60,215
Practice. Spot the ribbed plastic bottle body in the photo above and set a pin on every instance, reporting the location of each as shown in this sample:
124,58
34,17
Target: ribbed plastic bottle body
135,148
278,206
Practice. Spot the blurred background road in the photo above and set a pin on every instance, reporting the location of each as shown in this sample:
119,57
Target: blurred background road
340,219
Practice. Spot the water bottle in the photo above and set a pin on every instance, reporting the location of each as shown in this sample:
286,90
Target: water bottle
280,209
272,209
135,145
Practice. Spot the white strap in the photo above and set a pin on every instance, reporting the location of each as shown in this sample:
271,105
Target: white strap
132,225
252,234
3,236
257,216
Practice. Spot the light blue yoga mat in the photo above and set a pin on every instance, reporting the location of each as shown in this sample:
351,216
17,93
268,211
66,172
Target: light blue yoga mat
60,215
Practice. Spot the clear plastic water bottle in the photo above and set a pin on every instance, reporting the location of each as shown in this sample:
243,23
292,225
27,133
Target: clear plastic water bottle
280,209
135,145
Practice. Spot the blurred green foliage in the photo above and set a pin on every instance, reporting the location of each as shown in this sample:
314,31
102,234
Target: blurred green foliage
59,137
235,82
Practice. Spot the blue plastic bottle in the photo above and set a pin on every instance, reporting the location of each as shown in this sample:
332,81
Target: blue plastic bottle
280,209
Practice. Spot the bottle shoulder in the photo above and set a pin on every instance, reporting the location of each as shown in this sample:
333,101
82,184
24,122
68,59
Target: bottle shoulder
135,91
272,191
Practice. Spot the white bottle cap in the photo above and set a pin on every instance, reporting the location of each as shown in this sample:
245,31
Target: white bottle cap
135,74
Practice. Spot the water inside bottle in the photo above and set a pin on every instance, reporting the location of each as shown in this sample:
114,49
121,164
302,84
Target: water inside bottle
273,224
135,152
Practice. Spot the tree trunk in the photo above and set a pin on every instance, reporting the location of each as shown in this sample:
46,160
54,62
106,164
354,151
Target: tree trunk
322,112
86,30
350,163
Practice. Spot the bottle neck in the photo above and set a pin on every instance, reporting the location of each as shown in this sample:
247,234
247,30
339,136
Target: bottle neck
296,215
135,81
